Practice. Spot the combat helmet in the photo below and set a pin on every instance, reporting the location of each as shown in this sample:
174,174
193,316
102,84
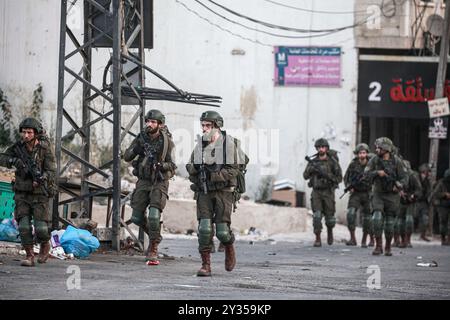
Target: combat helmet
212,116
155,115
385,144
322,142
31,123
361,146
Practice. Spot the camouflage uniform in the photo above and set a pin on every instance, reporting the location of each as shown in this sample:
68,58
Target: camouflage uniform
153,171
441,201
359,199
207,168
385,199
32,204
404,222
325,176
423,205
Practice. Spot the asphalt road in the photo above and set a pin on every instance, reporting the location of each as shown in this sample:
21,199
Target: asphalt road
266,271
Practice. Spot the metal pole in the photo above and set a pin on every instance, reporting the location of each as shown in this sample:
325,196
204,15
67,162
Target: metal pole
440,80
86,140
62,51
117,66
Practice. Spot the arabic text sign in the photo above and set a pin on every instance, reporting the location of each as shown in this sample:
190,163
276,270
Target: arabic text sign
308,66
438,107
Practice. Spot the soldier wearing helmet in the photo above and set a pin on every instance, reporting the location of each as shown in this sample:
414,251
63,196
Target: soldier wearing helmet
324,174
33,159
423,205
404,221
213,172
359,195
388,175
151,154
440,198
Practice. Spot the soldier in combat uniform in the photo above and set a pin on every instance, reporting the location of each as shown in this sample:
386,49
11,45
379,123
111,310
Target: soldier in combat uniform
34,185
324,174
154,166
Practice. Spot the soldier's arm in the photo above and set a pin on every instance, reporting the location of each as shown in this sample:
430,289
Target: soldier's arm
169,162
439,191
190,167
370,171
337,173
132,150
418,191
402,174
347,176
308,171
49,164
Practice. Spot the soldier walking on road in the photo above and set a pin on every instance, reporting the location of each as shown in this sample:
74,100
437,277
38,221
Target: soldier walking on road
359,195
388,175
423,202
324,175
34,185
154,167
441,199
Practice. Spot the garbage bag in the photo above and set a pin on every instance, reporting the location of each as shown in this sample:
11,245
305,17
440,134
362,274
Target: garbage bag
8,231
81,243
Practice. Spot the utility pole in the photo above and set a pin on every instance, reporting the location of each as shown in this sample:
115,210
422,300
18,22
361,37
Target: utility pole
440,80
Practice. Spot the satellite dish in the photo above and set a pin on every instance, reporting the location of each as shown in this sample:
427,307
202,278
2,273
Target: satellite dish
435,25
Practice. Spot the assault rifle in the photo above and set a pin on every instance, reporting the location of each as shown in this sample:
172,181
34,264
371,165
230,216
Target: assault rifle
32,168
156,166
318,168
202,170
353,182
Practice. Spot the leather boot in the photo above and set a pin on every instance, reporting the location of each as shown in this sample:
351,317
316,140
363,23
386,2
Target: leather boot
318,241
396,240
44,252
443,242
230,257
205,270
29,260
330,236
364,240
352,241
403,243
423,236
408,240
221,247
371,242
152,253
387,248
379,246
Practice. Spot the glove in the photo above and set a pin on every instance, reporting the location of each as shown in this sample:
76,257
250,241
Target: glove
17,163
137,149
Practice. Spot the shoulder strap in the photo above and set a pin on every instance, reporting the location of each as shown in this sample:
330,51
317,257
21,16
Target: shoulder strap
165,145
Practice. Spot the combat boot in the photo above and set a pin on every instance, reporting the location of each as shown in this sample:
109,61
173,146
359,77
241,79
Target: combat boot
230,257
152,253
396,240
387,248
44,252
443,242
330,236
379,246
364,240
403,243
352,241
29,260
205,270
221,247
408,240
423,236
371,242
318,241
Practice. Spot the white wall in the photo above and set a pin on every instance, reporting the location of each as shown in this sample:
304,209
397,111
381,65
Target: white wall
197,57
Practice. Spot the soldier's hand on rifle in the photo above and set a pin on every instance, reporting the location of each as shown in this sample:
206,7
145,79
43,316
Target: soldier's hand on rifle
381,173
17,163
35,184
402,193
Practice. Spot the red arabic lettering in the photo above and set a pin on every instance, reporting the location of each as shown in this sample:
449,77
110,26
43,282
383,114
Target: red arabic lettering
413,91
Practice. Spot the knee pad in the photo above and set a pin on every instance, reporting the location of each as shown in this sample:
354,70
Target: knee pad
41,230
204,232
317,219
330,221
154,222
137,217
351,217
24,225
224,233
377,223
389,226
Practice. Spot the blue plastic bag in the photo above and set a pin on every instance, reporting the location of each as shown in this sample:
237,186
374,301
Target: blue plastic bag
79,242
8,231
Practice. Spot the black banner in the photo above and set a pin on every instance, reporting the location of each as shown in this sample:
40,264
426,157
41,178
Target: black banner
397,89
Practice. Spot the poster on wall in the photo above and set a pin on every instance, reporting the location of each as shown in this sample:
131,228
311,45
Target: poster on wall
308,66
